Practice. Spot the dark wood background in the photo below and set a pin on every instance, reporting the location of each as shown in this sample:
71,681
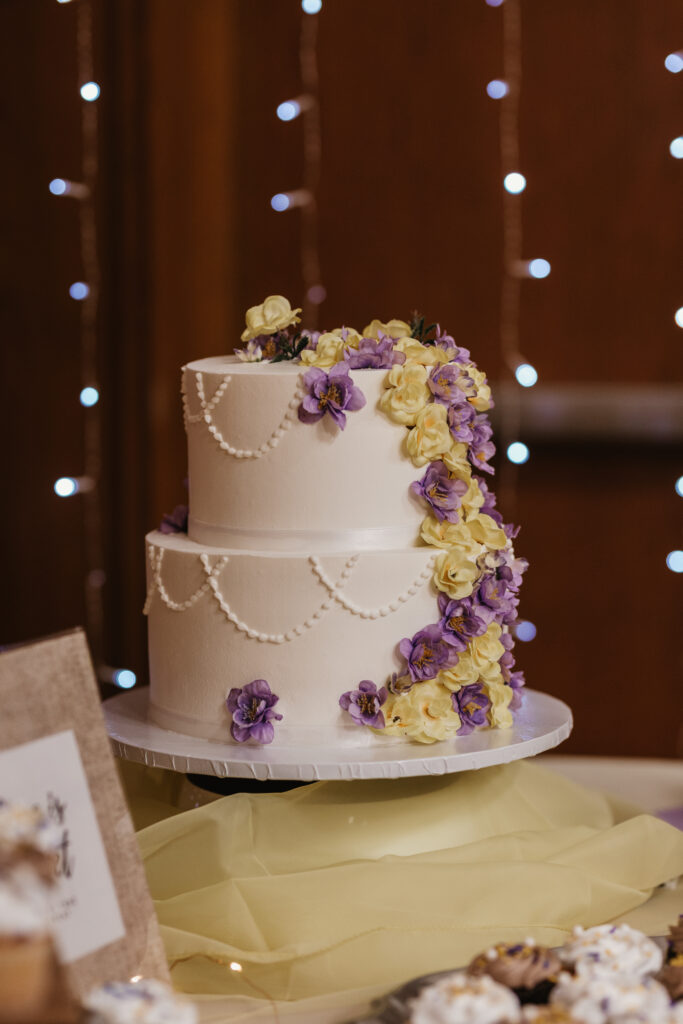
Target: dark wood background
410,204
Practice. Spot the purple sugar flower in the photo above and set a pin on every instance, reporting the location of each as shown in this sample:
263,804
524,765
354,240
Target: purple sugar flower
441,493
471,703
374,354
252,712
332,393
365,704
516,683
460,419
443,384
445,341
427,653
497,597
489,506
176,521
462,620
481,447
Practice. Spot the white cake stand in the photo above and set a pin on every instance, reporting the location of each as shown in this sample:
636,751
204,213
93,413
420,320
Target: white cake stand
541,723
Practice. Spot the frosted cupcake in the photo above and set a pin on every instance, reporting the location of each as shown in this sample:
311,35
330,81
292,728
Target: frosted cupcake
27,871
529,970
461,998
141,1002
603,1000
611,951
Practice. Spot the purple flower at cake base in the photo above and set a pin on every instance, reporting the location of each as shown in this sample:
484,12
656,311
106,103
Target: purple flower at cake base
399,684
252,712
365,704
462,620
176,521
442,493
460,418
489,506
516,684
471,703
333,393
427,653
374,354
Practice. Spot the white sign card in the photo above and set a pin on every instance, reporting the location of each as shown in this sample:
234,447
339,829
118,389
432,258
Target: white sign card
48,773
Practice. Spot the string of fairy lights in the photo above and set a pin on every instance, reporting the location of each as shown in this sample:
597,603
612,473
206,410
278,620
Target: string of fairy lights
86,293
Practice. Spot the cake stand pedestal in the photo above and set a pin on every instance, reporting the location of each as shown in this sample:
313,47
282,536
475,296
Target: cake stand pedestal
540,724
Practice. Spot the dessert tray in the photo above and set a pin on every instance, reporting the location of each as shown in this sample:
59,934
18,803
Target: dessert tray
543,722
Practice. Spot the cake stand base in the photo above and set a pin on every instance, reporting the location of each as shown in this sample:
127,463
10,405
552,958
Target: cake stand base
540,724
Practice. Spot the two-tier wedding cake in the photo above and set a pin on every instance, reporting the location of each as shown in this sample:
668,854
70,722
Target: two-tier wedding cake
343,577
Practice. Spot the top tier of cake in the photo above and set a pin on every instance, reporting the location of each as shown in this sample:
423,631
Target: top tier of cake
262,480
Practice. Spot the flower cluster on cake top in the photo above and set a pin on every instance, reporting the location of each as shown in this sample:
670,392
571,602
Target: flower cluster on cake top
458,671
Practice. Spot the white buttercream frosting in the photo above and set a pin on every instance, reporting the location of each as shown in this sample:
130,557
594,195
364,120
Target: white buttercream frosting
602,1000
143,1002
461,999
611,951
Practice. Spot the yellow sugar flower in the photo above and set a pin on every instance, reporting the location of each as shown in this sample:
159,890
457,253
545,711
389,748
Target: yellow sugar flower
274,314
407,393
487,532
430,438
442,534
425,713
328,352
499,713
392,329
457,462
485,652
416,352
473,383
350,336
472,500
455,574
464,673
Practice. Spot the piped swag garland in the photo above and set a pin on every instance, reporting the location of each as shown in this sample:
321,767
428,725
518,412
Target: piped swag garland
458,672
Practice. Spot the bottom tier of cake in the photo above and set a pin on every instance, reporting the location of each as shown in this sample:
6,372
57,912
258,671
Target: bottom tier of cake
313,627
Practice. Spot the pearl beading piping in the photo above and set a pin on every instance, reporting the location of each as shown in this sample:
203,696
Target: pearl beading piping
334,589
207,407
372,613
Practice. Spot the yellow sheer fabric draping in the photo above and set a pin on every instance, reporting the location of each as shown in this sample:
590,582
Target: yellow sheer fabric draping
329,893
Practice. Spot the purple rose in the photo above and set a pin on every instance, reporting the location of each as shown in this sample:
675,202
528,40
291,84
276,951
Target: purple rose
462,620
365,704
252,712
441,493
176,522
427,653
332,393
471,703
374,354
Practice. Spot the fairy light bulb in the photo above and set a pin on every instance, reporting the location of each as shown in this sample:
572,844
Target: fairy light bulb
90,91
526,375
311,6
89,396
288,110
79,291
518,452
673,62
280,202
525,631
674,561
538,268
676,147
66,486
514,183
124,678
497,88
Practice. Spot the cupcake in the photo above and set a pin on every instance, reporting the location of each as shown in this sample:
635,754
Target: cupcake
462,998
611,951
596,999
137,1002
529,970
28,969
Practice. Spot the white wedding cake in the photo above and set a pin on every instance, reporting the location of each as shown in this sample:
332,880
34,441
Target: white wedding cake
343,577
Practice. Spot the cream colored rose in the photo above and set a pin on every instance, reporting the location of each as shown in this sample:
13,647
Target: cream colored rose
472,500
485,652
416,352
425,713
274,314
393,329
457,462
487,532
455,574
464,673
350,337
328,352
499,713
478,392
406,395
430,438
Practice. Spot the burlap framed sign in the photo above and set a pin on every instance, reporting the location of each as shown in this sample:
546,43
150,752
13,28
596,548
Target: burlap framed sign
55,753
